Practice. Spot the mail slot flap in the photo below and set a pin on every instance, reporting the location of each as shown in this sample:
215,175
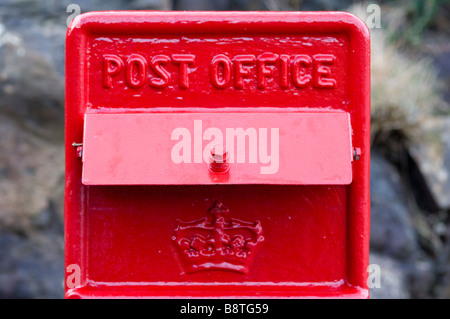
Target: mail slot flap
308,148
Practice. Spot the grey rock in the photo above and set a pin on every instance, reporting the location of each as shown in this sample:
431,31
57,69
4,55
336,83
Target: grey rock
422,277
392,230
31,92
32,179
406,270
393,278
442,289
431,152
31,267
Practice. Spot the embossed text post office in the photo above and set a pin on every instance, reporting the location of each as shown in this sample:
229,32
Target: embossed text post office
217,154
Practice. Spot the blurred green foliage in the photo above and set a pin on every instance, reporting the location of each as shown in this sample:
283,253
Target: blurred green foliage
421,15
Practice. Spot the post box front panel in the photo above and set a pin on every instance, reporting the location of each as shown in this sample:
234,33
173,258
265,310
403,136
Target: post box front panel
303,235
132,78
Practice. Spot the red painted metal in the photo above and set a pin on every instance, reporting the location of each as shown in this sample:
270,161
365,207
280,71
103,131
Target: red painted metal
302,148
214,229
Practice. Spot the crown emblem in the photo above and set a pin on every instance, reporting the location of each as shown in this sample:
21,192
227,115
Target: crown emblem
217,241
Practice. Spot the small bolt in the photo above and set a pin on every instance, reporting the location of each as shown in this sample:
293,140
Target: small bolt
218,162
79,147
356,153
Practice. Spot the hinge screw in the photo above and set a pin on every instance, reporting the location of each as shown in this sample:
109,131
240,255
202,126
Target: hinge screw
356,153
79,147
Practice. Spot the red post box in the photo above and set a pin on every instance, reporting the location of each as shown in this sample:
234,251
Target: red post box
217,155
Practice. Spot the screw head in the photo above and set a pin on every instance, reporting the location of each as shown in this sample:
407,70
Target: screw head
356,153
219,157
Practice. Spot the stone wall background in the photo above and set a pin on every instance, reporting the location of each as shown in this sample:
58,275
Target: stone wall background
410,168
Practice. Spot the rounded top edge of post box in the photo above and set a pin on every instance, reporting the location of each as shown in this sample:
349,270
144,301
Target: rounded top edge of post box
141,21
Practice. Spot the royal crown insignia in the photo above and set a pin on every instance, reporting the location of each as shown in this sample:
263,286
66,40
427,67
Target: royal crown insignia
217,241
